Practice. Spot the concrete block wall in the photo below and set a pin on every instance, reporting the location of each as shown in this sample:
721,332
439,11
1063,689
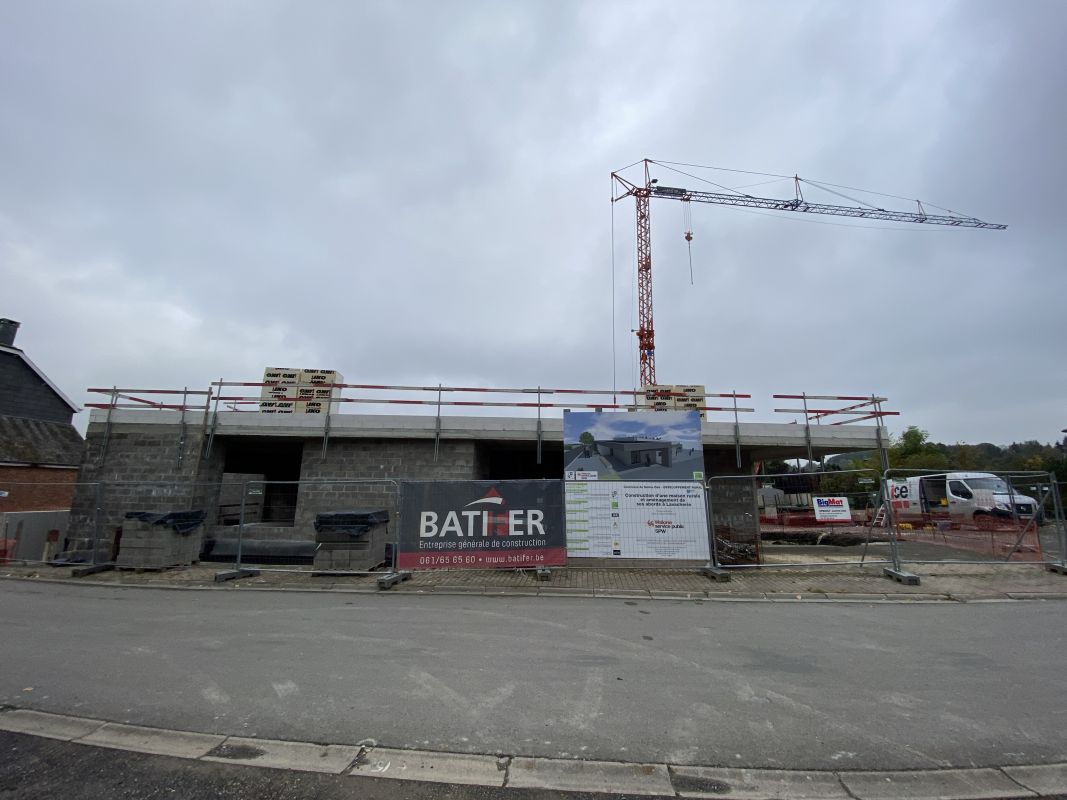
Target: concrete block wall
140,472
395,459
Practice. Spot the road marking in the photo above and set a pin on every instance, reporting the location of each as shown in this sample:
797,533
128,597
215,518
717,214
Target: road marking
51,726
589,776
414,765
158,741
285,688
300,756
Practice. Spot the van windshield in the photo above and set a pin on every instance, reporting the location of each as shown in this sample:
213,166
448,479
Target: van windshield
989,484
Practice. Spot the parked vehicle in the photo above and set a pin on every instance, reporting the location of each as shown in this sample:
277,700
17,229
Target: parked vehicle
978,499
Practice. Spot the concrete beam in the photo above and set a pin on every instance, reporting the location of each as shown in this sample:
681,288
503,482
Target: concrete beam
761,437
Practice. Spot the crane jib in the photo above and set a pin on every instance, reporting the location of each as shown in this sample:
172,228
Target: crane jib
778,204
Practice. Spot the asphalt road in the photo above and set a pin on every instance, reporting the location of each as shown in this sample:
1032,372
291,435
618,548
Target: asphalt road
786,685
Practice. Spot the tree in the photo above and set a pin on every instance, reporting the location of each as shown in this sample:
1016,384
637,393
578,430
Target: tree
916,451
587,439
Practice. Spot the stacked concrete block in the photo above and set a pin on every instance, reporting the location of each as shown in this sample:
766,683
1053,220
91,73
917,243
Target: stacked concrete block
310,389
351,540
658,397
158,541
692,398
282,383
672,397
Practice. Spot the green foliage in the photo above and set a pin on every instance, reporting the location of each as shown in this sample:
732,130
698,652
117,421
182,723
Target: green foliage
586,438
914,450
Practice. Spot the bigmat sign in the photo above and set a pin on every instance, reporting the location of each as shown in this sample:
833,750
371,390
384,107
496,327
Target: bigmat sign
481,525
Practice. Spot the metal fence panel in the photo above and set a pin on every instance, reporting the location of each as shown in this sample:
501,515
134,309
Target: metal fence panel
972,516
322,526
809,518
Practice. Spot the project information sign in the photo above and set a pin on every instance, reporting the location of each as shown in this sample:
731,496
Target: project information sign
637,519
481,525
831,509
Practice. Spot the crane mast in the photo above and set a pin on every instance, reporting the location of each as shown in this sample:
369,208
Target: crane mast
643,194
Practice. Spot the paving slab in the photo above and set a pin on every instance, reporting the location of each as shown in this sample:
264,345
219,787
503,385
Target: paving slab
415,765
300,756
589,776
158,741
757,784
52,726
937,784
1045,779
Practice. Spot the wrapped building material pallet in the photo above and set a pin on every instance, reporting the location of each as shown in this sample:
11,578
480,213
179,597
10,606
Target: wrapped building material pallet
350,540
156,541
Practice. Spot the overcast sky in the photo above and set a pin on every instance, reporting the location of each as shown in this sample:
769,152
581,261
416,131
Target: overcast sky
418,193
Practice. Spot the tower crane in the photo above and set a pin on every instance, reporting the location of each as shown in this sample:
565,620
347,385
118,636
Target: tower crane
642,194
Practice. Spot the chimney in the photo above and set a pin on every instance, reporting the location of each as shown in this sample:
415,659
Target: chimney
8,329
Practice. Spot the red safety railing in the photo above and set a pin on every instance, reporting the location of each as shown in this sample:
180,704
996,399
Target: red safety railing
227,395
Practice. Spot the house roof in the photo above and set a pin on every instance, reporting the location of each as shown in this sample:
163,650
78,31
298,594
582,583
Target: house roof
26,360
36,441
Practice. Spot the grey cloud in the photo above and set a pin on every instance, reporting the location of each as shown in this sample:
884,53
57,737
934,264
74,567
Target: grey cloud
417,193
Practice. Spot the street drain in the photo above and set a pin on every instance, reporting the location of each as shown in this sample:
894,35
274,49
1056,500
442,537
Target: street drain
238,752
691,783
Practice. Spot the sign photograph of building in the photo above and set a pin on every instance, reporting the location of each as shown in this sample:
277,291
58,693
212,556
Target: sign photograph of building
642,445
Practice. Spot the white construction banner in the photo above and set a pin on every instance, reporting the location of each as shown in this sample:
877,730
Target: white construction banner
636,519
831,509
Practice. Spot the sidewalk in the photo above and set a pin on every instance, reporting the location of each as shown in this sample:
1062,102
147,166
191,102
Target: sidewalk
946,582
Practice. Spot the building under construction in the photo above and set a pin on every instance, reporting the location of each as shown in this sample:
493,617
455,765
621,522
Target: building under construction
168,451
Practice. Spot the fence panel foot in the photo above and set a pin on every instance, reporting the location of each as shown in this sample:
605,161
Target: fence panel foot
391,579
543,574
90,569
717,574
900,576
234,574
1060,569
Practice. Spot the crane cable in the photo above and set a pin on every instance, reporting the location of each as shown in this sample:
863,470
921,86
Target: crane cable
687,224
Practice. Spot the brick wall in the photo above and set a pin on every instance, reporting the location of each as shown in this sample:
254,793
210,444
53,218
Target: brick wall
51,489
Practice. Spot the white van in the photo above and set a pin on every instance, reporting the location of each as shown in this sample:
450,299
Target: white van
980,499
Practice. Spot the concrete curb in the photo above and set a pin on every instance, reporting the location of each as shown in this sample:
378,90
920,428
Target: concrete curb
806,598
567,775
